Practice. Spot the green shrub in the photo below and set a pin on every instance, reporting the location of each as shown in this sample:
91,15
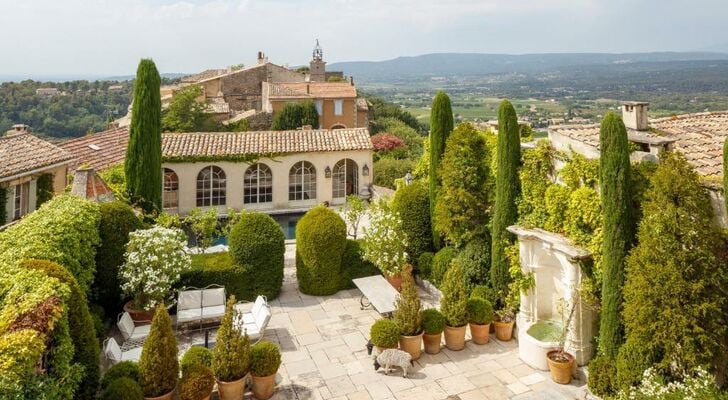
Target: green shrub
412,203
124,369
385,333
485,292
441,263
475,260
196,383
258,243
158,364
123,389
408,312
218,269
454,297
265,359
81,327
387,170
480,311
353,264
320,245
295,115
43,189
433,322
424,264
117,220
231,355
602,373
196,355
557,201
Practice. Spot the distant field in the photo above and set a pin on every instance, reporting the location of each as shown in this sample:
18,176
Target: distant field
483,109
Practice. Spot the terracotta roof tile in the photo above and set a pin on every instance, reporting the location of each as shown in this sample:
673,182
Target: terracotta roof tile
313,90
100,150
24,152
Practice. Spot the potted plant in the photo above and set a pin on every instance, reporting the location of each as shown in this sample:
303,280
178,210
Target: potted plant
384,334
196,355
196,383
230,357
561,363
408,317
433,323
152,255
158,364
480,315
385,244
265,359
454,307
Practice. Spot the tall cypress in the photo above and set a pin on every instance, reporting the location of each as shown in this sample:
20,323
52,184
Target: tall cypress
507,188
143,164
725,173
618,228
441,124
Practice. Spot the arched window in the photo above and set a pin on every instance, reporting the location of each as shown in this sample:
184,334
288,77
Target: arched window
211,187
345,178
338,126
170,195
302,181
258,184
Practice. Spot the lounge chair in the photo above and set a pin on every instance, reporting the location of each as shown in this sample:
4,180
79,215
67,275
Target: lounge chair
129,330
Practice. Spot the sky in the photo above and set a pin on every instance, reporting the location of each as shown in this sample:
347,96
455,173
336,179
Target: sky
108,37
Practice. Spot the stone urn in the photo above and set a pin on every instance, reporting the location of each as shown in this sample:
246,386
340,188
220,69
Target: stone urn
233,390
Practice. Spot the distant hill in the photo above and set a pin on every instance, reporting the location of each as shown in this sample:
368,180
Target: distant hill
474,64
79,77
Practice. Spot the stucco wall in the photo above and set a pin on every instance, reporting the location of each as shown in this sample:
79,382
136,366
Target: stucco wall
59,184
718,201
327,119
280,168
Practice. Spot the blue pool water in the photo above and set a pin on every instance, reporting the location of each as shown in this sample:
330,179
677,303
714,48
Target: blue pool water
286,221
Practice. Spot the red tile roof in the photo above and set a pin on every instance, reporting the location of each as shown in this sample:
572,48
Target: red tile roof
313,90
100,150
24,152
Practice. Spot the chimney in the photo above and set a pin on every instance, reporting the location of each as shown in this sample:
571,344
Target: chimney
17,130
634,114
261,58
351,80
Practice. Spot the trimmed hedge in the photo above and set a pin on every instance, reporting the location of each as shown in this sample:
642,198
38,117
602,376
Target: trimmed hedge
123,389
441,263
43,189
217,269
117,220
124,369
257,242
475,260
353,264
320,245
412,203
424,264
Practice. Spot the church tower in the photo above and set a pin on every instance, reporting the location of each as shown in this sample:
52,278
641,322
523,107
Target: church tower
318,65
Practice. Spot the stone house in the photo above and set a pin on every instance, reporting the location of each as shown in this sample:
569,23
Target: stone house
24,158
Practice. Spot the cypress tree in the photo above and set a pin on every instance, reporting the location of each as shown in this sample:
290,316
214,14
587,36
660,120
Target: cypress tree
618,227
441,124
143,164
507,188
725,173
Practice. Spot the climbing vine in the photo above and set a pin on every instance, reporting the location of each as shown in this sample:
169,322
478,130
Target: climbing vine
44,189
3,205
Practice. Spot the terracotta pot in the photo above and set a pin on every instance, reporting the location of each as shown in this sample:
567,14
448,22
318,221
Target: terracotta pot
503,330
233,390
432,343
480,333
263,386
140,317
167,396
412,345
455,337
396,281
560,364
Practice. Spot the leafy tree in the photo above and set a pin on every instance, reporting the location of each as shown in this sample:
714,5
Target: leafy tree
185,112
412,203
507,188
295,115
143,164
615,190
382,110
675,286
441,124
461,212
352,212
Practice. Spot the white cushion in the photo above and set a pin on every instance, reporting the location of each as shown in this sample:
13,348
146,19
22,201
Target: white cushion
213,297
251,329
248,318
259,302
213,312
140,332
132,355
262,317
112,350
126,326
189,299
189,315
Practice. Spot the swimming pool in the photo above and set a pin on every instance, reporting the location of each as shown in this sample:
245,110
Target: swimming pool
287,221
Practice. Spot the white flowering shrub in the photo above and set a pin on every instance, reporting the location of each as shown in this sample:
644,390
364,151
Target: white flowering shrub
698,386
385,244
154,260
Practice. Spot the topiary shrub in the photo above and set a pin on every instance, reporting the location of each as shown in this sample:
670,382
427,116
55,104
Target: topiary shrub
265,359
217,269
117,220
196,383
480,311
123,389
258,243
631,363
124,369
602,374
454,297
353,264
433,322
384,333
424,265
158,364
408,312
231,355
196,355
475,261
320,245
485,292
412,203
441,263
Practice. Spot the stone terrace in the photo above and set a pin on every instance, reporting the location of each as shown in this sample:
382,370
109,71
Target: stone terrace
323,342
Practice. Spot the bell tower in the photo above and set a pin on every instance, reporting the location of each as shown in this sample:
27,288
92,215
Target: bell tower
318,65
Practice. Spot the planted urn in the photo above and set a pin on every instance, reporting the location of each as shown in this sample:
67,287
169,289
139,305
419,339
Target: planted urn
197,383
384,334
454,307
433,323
265,359
409,318
480,315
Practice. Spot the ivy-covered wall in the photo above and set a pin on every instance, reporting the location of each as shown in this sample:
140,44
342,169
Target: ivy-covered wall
43,189
3,205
